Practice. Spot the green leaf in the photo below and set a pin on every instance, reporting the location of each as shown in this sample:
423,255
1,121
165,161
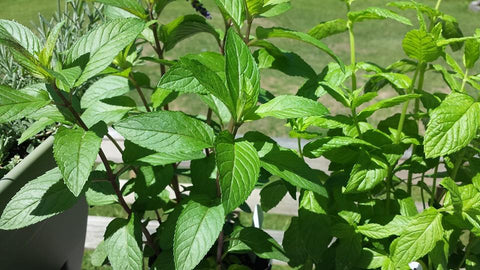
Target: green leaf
293,244
375,13
277,32
419,238
166,131
452,125
134,154
234,9
288,106
367,174
108,87
371,259
184,27
75,152
15,104
132,6
123,241
102,44
385,103
286,164
455,196
275,7
261,243
421,46
472,53
272,194
398,80
254,7
329,28
100,192
109,111
99,255
239,167
324,145
47,52
243,78
197,229
35,128
11,31
451,30
38,200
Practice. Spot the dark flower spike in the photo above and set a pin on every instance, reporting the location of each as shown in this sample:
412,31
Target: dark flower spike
198,6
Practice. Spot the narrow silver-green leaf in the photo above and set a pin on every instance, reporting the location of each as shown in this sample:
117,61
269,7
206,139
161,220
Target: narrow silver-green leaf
452,125
38,200
239,168
102,44
75,152
167,131
15,104
197,229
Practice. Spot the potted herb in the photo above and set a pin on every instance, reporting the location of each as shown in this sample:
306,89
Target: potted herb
358,214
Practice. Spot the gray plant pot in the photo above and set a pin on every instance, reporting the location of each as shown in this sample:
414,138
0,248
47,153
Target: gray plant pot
55,243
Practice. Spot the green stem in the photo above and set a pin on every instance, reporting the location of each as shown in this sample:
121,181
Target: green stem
405,107
352,57
299,142
437,6
421,192
389,186
465,78
458,163
434,186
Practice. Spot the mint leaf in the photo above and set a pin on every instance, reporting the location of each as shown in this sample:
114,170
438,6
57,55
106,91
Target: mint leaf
418,239
328,28
261,243
166,131
272,194
472,53
15,104
184,27
243,78
123,242
367,174
277,32
108,111
239,167
452,125
38,200
385,103
235,9
286,164
102,44
132,6
197,228
108,87
11,31
287,106
375,13
75,152
421,46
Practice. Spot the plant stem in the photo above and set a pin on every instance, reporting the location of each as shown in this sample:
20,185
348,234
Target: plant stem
110,174
389,186
299,143
464,81
421,192
140,93
219,250
434,185
352,57
115,143
437,6
405,106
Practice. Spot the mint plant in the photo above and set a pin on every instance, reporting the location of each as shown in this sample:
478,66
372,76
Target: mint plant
359,214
